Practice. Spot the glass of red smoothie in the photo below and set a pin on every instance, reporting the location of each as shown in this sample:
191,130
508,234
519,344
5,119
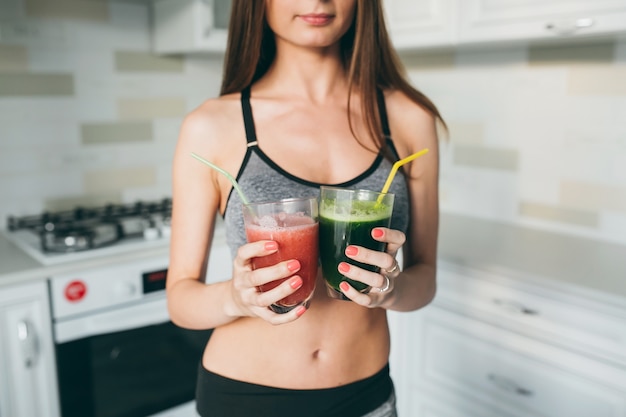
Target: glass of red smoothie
293,224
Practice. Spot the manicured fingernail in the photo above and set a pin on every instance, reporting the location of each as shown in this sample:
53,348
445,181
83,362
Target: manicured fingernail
344,267
344,286
296,282
293,265
271,245
300,311
351,251
377,233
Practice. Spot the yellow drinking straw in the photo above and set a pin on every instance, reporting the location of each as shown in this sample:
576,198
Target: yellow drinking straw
394,169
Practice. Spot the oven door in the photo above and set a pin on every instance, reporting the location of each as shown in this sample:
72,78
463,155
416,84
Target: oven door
129,361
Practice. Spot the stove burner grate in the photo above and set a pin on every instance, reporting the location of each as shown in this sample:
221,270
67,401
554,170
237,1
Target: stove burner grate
83,229
80,238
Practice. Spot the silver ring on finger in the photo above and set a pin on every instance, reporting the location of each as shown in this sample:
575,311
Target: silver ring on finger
394,268
387,285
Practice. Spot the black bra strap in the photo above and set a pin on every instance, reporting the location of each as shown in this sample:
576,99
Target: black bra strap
384,122
248,121
382,111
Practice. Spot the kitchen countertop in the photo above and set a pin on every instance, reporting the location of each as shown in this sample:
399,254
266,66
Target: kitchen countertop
562,261
18,267
542,256
13,260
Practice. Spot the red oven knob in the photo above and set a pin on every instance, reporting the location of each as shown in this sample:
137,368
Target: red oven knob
75,291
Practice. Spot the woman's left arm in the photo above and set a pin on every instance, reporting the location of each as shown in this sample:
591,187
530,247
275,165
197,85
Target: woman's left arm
413,286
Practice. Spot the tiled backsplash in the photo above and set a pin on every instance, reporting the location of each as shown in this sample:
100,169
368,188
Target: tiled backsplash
537,134
89,115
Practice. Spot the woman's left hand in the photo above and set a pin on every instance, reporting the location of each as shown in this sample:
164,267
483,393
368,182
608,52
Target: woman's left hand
382,283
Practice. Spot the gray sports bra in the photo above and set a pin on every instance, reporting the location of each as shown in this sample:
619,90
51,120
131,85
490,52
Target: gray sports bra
261,179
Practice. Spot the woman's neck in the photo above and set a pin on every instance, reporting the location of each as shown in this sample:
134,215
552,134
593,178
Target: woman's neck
315,75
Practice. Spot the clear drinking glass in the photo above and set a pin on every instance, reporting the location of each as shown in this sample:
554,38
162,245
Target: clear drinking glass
347,217
293,224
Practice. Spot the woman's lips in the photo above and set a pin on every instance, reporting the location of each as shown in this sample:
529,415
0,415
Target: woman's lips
316,19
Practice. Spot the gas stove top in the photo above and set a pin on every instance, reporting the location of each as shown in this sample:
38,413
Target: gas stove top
83,233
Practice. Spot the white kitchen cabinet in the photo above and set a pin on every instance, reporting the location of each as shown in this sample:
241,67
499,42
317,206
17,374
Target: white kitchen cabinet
495,345
514,20
421,24
581,324
416,25
27,379
190,26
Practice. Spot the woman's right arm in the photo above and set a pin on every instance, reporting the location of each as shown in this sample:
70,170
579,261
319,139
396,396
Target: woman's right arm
196,199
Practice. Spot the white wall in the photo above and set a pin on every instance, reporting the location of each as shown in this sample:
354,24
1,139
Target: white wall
537,134
87,114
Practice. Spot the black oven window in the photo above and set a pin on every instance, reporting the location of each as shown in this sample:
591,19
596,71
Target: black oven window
133,373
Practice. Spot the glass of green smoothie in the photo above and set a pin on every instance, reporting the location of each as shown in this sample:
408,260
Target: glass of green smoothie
347,217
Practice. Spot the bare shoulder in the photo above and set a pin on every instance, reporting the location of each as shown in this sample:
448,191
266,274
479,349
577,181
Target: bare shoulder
412,126
215,132
213,126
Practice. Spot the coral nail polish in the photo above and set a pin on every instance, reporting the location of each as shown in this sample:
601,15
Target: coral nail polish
344,267
378,233
293,265
271,245
344,286
296,282
351,251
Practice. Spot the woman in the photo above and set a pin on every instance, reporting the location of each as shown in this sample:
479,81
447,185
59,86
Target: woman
312,91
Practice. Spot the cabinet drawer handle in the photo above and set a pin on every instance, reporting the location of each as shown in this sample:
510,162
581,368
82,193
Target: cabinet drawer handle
515,306
29,342
569,27
509,385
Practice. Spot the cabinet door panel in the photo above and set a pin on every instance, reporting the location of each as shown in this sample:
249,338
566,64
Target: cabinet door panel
26,353
522,9
431,402
406,334
447,407
503,345
570,322
480,361
490,20
23,350
421,24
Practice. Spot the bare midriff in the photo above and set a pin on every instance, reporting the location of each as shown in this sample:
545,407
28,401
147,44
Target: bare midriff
334,343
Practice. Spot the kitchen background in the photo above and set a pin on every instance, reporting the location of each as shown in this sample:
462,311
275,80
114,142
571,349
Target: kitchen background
88,114
530,314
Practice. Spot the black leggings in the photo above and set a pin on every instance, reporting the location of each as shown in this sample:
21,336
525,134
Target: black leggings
218,396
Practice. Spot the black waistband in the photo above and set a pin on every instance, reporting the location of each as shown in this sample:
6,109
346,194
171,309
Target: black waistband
218,396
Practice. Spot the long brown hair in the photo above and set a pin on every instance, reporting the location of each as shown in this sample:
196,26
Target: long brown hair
366,50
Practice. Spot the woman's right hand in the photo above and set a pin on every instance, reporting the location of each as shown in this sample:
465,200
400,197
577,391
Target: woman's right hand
248,299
